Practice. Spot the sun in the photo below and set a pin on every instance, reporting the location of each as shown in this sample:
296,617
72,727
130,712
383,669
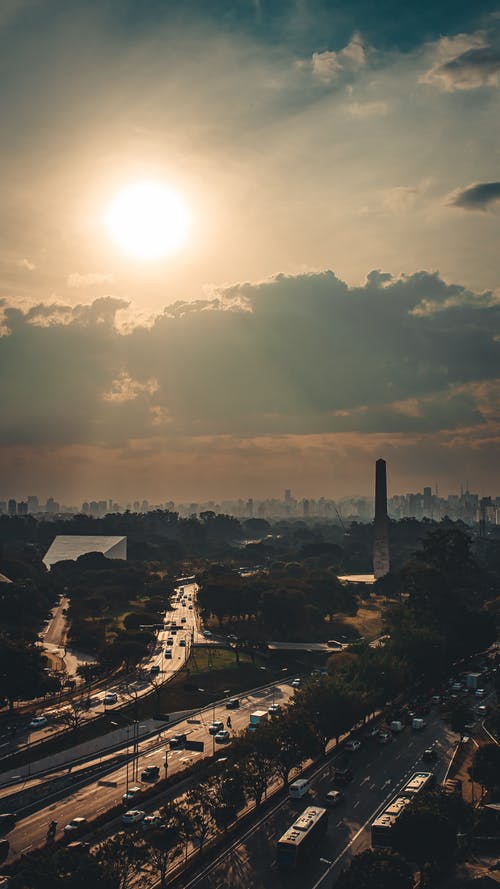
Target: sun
147,220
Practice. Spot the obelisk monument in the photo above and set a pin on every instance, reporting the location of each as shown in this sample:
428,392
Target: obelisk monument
381,562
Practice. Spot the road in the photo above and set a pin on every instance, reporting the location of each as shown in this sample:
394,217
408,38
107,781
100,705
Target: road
125,689
95,798
379,772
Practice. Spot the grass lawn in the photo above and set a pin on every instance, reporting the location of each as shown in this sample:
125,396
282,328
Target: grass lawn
369,619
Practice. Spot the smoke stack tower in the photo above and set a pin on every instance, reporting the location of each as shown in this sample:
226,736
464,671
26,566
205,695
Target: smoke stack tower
381,563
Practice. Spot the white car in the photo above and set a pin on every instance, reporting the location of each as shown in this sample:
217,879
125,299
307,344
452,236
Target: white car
274,709
222,737
215,727
480,692
133,816
150,822
74,824
353,745
130,794
296,683
38,722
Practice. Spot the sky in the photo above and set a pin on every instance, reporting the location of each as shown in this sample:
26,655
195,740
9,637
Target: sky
336,297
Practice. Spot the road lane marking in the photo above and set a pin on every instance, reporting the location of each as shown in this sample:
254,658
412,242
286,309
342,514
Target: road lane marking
373,787
368,777
356,804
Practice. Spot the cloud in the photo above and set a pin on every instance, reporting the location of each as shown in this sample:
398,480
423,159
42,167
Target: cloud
478,196
291,355
367,109
26,264
466,63
327,65
124,388
90,279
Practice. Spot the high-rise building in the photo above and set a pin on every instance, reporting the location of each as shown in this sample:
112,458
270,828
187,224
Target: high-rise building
22,507
33,505
381,562
428,502
12,506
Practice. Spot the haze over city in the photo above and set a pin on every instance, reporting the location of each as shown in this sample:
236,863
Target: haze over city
248,245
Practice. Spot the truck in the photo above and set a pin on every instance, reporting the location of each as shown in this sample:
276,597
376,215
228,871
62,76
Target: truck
473,680
256,719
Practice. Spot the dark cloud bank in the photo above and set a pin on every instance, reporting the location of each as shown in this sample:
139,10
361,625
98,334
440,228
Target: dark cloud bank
298,355
480,196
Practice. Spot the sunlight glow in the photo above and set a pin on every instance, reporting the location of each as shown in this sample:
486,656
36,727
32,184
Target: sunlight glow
147,220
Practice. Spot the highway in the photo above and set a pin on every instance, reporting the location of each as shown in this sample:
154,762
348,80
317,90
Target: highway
379,771
125,689
98,796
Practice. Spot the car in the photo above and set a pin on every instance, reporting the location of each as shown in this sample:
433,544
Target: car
384,737
154,670
456,686
215,727
429,755
74,824
38,722
150,822
233,704
481,710
79,845
130,794
222,737
371,733
207,634
296,683
168,654
480,692
274,709
133,816
232,638
7,821
190,607
177,741
183,620
150,773
353,745
4,850
342,775
170,641
435,700
333,797
182,643
110,697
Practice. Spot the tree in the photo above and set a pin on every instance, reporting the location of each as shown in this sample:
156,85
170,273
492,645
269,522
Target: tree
459,716
380,869
200,815
425,833
287,740
72,716
328,708
127,852
485,767
22,671
65,868
165,844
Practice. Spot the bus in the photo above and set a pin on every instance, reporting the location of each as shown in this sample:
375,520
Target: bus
297,840
383,825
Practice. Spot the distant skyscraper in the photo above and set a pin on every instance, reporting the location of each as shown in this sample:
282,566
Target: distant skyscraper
12,507
33,506
381,563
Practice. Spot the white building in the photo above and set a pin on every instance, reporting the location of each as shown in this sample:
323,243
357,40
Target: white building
71,546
